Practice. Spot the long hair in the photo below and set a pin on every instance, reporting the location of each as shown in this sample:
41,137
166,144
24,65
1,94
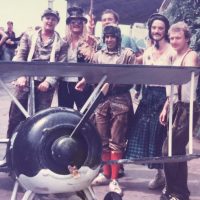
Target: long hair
68,35
157,16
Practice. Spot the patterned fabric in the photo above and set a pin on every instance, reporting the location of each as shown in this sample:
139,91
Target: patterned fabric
42,51
147,135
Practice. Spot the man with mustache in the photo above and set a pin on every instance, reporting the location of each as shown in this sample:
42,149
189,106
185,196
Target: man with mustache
147,134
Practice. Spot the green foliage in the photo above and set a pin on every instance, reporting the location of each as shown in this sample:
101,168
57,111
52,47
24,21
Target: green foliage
188,11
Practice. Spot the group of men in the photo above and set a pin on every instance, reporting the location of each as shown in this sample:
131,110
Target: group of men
168,45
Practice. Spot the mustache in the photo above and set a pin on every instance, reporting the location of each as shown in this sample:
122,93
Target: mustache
157,34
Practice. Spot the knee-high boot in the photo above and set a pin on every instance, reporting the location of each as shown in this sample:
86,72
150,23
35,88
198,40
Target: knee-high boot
115,155
106,168
114,185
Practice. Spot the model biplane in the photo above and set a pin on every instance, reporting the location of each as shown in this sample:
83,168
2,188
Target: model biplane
58,150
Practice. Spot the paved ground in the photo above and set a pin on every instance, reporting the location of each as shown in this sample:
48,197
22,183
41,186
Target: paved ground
134,183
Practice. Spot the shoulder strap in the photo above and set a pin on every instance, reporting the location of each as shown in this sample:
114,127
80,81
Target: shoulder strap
186,53
53,51
33,43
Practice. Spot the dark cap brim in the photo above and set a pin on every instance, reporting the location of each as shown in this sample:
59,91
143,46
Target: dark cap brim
51,14
70,18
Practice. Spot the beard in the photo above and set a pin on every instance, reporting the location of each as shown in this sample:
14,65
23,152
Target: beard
156,43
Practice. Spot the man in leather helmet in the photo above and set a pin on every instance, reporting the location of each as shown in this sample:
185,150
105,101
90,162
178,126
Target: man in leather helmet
147,134
109,16
114,31
112,114
153,35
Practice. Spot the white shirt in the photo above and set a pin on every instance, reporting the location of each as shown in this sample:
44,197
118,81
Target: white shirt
164,59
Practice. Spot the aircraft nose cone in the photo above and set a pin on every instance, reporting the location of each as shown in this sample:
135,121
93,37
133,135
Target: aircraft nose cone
65,150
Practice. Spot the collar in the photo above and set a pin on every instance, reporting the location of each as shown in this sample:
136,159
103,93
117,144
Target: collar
105,50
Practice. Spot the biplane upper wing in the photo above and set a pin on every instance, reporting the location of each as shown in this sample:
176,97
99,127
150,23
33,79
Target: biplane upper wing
121,74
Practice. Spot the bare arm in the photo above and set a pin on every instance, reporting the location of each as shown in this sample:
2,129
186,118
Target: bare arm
191,59
163,114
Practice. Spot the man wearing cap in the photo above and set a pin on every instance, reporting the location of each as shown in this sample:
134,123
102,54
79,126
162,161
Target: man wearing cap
45,45
112,114
76,37
147,134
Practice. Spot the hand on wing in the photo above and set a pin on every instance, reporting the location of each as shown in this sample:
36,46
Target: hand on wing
80,85
21,82
44,86
163,117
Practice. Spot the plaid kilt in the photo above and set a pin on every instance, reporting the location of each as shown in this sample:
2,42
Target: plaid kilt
147,135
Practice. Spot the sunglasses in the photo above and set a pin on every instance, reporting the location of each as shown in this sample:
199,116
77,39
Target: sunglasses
76,21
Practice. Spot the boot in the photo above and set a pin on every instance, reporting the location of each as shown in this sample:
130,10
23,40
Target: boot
114,184
115,155
106,156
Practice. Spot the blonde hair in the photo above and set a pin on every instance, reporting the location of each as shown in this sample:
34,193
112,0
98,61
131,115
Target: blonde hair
181,26
68,35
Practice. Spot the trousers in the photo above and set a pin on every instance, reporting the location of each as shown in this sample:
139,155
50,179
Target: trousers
176,174
112,119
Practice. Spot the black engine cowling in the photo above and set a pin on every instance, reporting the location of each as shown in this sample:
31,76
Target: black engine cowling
43,142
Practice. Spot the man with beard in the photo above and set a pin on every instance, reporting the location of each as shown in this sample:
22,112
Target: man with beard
176,173
147,134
